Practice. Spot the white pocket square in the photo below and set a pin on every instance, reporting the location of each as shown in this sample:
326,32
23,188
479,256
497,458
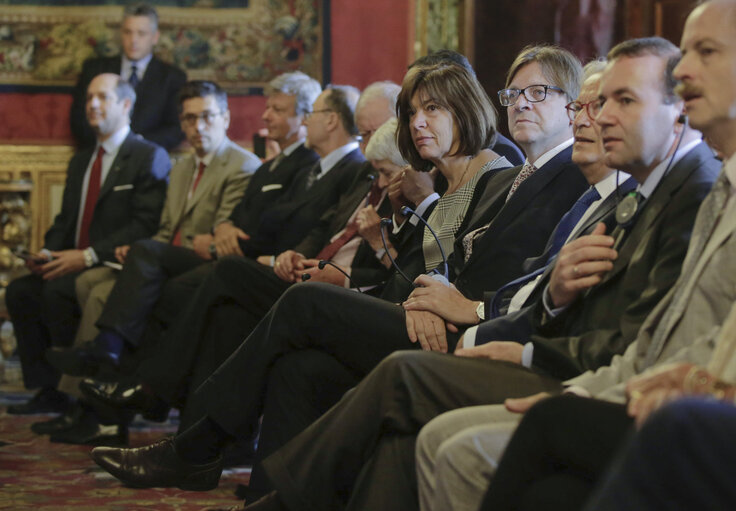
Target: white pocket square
120,188
268,188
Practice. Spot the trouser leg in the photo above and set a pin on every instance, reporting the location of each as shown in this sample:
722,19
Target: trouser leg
318,468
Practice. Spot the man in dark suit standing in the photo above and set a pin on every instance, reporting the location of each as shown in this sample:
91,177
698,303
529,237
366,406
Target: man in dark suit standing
113,196
156,83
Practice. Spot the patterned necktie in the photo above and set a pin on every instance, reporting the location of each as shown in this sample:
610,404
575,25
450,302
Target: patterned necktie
570,220
329,251
527,170
93,193
177,236
705,223
133,79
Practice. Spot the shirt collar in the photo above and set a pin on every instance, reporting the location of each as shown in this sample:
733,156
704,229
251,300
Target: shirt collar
140,65
608,184
650,183
114,141
335,156
291,148
542,160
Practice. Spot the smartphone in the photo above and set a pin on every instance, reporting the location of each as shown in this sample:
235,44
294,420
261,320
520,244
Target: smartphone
27,256
259,145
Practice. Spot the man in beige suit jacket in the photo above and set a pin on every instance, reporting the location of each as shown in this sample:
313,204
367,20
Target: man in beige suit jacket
204,188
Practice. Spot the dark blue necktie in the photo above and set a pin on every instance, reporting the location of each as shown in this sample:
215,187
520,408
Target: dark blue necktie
559,236
133,79
570,220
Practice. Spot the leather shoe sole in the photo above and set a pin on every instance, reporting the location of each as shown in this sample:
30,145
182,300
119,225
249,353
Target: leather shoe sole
157,466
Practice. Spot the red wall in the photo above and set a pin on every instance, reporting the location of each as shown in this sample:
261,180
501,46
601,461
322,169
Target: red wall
370,42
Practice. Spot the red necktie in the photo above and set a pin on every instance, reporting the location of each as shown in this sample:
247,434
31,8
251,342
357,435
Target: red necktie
93,193
177,237
329,251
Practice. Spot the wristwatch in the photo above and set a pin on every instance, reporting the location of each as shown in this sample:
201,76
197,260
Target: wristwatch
213,251
480,311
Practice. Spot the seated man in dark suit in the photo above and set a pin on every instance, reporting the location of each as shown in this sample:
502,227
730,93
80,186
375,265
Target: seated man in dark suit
516,212
156,83
113,196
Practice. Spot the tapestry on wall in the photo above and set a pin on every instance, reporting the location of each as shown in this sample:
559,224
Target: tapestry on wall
237,43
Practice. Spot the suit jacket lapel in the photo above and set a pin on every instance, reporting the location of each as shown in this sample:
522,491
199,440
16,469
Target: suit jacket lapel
210,175
113,176
653,207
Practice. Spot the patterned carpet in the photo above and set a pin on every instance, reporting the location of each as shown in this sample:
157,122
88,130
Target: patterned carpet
36,474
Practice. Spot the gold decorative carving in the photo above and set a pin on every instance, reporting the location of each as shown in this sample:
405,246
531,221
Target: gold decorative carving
39,172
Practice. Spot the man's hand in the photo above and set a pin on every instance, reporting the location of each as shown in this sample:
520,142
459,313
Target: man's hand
201,245
369,227
648,392
328,274
581,265
522,404
121,253
36,262
442,300
289,266
495,350
63,262
647,403
226,239
409,188
428,329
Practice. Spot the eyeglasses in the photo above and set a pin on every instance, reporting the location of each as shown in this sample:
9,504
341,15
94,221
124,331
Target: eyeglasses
533,94
575,107
309,114
192,119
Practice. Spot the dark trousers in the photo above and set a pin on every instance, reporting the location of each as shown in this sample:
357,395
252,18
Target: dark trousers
557,453
217,317
302,385
357,330
360,454
44,314
148,266
683,458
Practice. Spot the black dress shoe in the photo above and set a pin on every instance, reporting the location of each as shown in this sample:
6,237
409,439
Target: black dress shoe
157,466
122,397
90,359
46,400
89,431
62,422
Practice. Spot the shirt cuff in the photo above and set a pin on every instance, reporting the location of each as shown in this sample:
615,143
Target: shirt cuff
46,253
548,306
527,355
469,336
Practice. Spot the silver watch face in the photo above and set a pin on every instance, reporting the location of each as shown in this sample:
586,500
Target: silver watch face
480,311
